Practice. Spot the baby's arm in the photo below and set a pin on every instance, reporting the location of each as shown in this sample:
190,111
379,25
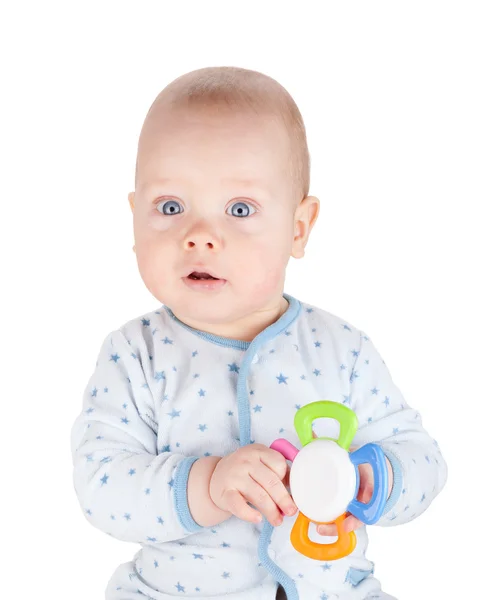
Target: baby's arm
419,469
125,487
203,510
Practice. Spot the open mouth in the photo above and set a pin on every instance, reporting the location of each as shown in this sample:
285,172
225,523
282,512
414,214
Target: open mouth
197,276
204,282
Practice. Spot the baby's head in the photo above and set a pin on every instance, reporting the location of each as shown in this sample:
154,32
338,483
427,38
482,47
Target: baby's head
221,187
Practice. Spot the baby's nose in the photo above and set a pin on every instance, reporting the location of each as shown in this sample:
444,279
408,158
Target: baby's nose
201,240
191,243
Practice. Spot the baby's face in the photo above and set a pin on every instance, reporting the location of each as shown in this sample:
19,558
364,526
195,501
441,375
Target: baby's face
213,195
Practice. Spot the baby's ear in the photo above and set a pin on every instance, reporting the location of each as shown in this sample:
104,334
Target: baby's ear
305,216
131,200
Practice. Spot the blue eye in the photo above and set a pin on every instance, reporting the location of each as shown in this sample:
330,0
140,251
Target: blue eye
171,207
241,209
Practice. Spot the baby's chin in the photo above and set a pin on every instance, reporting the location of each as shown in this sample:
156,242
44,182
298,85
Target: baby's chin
210,309
223,307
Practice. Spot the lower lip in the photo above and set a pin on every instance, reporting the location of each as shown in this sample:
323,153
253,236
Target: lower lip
204,284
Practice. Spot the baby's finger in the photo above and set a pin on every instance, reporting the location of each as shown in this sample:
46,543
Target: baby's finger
238,506
273,485
328,530
260,498
286,478
275,461
351,523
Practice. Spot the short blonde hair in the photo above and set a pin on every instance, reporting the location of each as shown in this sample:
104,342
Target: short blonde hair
243,89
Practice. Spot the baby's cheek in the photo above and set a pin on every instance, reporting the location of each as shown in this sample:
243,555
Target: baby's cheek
268,272
153,264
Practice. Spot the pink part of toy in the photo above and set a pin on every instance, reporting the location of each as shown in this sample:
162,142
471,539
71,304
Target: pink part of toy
286,448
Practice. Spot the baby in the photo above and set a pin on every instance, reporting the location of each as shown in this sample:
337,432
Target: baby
171,449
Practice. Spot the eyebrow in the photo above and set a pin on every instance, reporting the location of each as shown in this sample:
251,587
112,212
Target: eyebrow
246,182
254,184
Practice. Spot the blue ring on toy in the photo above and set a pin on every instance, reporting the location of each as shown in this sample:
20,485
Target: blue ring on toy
371,512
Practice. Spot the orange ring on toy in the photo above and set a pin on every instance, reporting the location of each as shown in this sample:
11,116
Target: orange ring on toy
344,545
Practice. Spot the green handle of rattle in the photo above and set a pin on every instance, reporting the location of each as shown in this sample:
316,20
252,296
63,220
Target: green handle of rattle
305,416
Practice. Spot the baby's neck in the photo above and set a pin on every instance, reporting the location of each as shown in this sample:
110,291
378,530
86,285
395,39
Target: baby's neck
245,329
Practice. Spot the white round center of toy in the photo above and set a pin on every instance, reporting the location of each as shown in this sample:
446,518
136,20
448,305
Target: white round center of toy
322,480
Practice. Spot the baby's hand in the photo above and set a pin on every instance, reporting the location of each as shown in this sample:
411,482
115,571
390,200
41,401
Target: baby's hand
255,474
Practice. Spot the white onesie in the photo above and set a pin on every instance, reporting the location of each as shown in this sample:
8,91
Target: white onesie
164,394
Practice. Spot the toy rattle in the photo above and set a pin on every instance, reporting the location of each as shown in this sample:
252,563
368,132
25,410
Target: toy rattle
324,479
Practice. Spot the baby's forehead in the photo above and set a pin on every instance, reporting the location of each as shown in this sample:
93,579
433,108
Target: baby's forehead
173,136
210,122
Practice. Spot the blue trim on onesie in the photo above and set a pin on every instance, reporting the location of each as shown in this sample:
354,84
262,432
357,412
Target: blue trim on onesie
397,481
180,494
281,577
286,319
210,337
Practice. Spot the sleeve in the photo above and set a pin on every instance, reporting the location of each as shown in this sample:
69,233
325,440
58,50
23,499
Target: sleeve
125,487
420,471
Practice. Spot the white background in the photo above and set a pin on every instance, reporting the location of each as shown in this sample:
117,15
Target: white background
393,99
